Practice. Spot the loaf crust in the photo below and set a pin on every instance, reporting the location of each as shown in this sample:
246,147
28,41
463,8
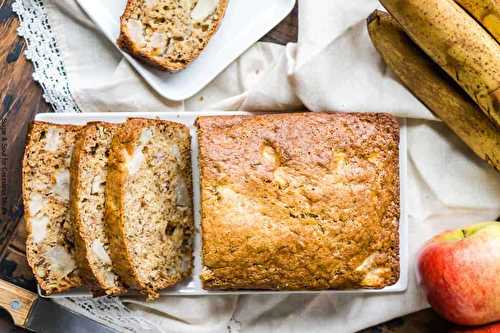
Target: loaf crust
299,201
150,233
49,243
87,202
147,54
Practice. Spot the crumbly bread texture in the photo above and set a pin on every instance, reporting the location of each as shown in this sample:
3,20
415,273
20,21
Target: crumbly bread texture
149,204
50,243
89,168
169,34
299,201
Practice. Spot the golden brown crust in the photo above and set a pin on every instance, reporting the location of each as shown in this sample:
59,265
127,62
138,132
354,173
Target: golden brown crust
126,44
83,241
299,201
33,252
123,253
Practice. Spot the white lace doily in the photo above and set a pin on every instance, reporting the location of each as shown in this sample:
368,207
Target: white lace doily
109,311
41,49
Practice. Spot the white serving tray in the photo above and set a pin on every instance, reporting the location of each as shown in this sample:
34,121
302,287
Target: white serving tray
244,23
192,286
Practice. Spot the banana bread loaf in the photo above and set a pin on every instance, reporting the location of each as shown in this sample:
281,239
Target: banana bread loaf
299,201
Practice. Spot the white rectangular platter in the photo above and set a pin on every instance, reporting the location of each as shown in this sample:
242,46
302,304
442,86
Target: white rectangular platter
192,286
244,23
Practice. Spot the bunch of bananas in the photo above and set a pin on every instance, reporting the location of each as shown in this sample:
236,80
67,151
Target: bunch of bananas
447,53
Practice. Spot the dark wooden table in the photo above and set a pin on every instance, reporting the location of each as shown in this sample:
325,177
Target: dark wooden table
21,98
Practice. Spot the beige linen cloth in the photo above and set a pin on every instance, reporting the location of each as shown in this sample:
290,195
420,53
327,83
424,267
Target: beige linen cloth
332,67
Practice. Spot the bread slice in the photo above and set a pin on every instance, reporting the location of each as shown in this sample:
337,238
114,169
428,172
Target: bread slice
89,168
169,34
49,244
149,204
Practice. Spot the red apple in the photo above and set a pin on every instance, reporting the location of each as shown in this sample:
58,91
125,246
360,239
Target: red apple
492,328
460,273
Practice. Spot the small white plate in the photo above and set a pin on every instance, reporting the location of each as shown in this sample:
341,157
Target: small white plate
192,286
244,24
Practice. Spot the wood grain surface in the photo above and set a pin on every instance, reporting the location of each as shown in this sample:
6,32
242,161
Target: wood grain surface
17,301
21,99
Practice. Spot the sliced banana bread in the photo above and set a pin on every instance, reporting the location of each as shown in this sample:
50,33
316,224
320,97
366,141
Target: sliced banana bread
49,244
169,34
89,168
149,204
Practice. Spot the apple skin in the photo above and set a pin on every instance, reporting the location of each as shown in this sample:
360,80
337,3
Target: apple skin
493,328
460,273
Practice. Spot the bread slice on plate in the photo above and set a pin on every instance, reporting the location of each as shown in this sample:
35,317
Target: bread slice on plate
50,243
169,34
89,168
149,207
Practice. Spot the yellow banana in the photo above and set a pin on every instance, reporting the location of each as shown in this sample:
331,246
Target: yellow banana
434,88
487,12
456,42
